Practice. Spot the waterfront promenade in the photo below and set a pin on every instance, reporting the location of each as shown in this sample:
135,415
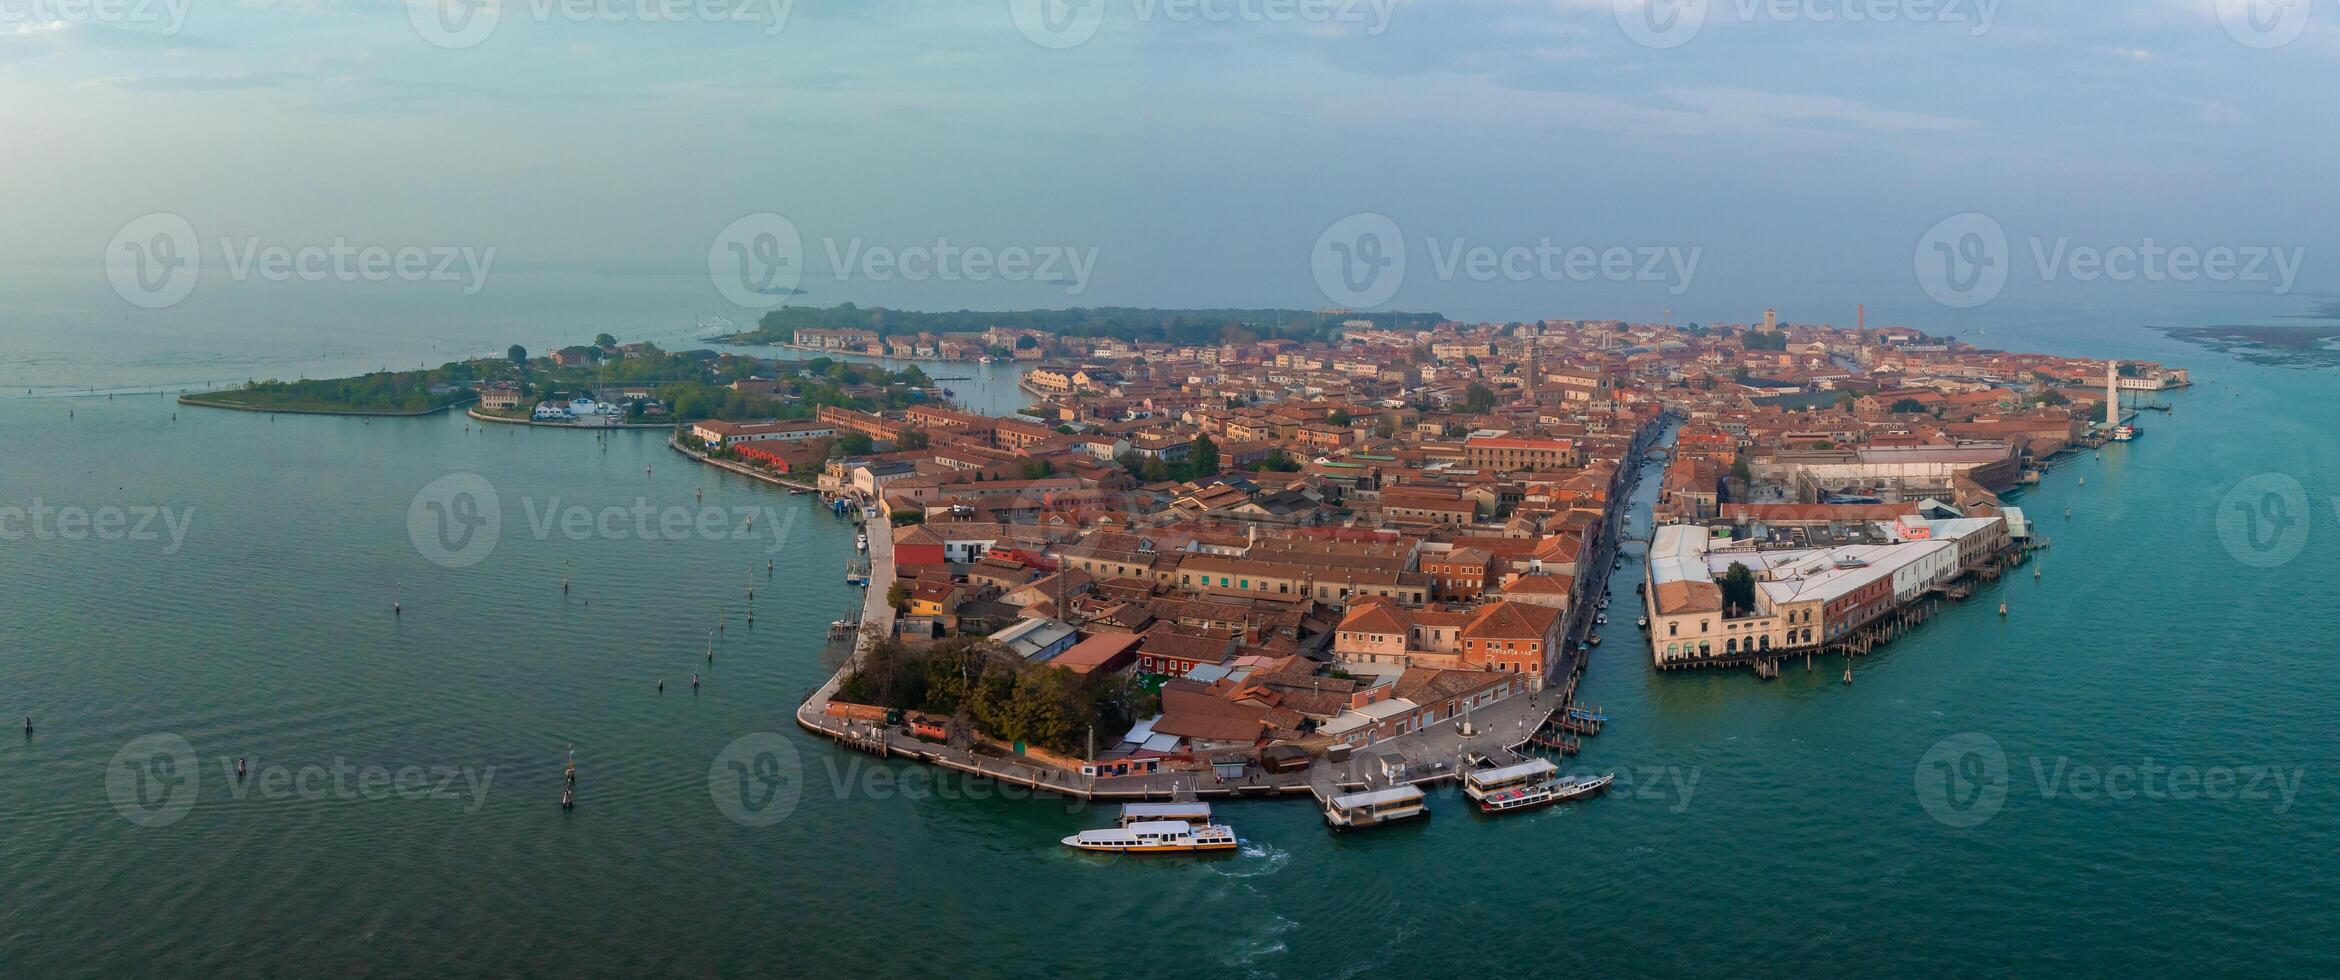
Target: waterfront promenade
744,470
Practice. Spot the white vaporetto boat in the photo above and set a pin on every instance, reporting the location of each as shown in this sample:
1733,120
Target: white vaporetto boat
1545,793
1156,837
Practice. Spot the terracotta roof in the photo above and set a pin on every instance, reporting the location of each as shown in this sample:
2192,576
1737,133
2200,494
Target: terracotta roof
1189,710
1540,585
1512,620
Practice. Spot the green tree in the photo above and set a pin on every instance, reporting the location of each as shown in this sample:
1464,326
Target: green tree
604,340
1908,405
1478,398
1204,458
516,354
1738,589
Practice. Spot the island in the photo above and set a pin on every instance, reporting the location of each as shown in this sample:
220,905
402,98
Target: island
1376,553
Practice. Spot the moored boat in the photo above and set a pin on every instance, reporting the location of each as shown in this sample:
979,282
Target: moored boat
1375,808
1545,793
1190,813
1156,837
1479,784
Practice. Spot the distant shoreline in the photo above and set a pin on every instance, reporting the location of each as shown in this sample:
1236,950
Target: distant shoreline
345,413
474,413
743,470
738,340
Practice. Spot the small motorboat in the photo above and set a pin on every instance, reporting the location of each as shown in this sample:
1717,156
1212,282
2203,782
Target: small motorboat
1643,622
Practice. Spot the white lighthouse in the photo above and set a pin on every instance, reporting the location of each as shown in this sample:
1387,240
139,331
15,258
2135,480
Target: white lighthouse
2112,393
2112,404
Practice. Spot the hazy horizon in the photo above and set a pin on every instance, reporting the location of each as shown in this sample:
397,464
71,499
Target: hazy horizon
1198,155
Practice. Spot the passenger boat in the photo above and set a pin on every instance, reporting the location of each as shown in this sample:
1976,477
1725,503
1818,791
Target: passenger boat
1482,783
1545,793
1190,813
1156,837
1375,808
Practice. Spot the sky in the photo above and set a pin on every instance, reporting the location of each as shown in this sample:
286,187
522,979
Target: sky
1518,159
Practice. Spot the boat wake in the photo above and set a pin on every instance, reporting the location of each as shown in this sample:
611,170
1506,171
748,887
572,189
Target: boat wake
1259,860
1265,944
